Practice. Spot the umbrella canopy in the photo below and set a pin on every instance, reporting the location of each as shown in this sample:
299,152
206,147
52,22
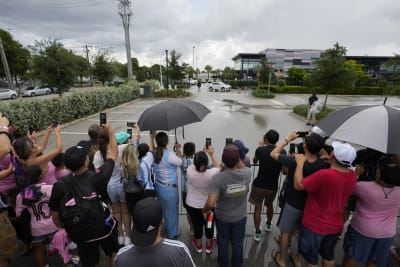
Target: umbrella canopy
373,126
171,114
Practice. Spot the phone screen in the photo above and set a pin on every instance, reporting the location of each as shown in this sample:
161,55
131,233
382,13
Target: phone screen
292,148
54,123
103,118
302,134
130,124
129,131
208,142
228,141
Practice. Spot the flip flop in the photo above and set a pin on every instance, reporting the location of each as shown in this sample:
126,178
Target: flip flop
292,256
274,255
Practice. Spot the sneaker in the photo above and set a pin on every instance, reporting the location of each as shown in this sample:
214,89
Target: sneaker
210,245
121,240
127,241
257,235
268,227
308,123
198,246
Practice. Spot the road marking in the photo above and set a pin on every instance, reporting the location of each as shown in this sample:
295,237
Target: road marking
277,103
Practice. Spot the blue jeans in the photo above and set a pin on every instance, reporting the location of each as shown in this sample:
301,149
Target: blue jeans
235,233
169,199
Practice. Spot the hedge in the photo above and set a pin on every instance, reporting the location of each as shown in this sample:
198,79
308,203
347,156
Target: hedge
262,94
38,113
302,110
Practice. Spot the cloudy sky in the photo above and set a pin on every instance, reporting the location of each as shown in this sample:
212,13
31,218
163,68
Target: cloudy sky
219,29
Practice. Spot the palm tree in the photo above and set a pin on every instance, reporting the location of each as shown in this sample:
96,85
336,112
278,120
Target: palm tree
208,68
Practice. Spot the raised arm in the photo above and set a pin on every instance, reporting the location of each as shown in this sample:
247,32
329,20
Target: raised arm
45,158
298,174
113,142
215,162
279,147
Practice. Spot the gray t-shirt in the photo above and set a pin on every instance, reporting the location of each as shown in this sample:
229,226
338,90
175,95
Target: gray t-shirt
167,253
232,188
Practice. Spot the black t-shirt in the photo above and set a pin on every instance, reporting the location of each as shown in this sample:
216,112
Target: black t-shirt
269,169
86,182
312,99
293,197
92,147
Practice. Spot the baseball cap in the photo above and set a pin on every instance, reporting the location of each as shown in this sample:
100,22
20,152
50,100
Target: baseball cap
319,131
75,157
344,152
121,137
242,148
147,215
230,156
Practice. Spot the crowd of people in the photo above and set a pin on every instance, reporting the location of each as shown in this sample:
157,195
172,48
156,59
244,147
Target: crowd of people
120,194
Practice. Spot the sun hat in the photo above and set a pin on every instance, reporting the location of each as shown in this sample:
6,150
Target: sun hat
147,215
344,152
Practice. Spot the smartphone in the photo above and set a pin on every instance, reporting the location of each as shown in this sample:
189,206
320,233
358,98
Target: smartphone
208,142
130,124
302,134
30,130
129,131
228,141
103,118
151,131
54,123
292,148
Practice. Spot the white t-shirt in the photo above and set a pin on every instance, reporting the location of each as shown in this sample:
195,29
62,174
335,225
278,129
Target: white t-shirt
98,161
198,186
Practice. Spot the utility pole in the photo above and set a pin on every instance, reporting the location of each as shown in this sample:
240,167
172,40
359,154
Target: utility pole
125,13
161,83
5,66
166,59
194,70
88,64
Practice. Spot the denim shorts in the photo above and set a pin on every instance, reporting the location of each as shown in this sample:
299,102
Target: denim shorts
362,248
116,192
38,239
311,245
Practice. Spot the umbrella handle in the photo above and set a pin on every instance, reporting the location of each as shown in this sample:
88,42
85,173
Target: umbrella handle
183,132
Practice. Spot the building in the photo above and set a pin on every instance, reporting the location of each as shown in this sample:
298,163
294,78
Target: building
246,64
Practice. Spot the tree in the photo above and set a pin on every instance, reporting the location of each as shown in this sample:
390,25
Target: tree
54,65
264,70
18,57
175,70
296,76
330,71
228,74
102,68
393,65
357,74
208,69
81,68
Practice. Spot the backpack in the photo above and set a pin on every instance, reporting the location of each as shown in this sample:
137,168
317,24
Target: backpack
31,194
133,191
83,216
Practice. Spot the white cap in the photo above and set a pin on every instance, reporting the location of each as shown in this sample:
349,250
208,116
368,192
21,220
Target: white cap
319,131
344,152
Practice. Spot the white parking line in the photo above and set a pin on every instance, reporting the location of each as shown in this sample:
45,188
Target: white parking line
277,102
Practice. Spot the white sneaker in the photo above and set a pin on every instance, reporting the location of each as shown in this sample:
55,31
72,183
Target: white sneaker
121,240
268,227
127,241
257,235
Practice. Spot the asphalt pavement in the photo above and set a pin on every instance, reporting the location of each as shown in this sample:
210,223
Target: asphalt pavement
233,114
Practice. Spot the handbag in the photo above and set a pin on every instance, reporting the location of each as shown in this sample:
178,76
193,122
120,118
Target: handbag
132,185
8,237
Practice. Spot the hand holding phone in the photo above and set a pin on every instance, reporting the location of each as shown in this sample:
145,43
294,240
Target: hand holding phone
54,123
208,142
292,148
302,134
228,141
130,124
103,118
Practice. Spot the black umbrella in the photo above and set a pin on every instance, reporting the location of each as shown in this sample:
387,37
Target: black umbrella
171,114
373,126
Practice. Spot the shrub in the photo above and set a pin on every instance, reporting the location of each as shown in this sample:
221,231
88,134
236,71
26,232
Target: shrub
302,110
38,113
263,94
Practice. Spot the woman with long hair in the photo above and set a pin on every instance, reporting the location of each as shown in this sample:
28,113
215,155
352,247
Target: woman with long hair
199,178
115,190
373,225
146,159
165,165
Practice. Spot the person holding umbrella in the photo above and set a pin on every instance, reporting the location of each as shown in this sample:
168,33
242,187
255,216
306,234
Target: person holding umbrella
165,165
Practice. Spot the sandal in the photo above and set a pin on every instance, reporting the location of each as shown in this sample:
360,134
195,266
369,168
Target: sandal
292,257
275,254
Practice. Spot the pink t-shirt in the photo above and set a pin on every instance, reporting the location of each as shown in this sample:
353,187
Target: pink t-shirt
328,192
375,215
41,221
49,176
61,173
198,185
7,183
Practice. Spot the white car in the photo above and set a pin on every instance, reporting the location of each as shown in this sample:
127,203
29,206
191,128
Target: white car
219,86
34,91
8,93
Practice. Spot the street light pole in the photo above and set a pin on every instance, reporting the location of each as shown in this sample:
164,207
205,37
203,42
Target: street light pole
5,66
193,63
166,59
126,13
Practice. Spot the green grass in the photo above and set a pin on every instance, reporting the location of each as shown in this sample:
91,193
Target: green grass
302,111
262,94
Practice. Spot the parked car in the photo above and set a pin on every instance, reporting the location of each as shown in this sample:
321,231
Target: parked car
35,90
8,93
219,86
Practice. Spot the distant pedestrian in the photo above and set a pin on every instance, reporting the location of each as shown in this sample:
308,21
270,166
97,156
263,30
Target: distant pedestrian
228,194
149,248
314,107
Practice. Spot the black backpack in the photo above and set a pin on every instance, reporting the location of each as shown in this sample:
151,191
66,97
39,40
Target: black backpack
83,216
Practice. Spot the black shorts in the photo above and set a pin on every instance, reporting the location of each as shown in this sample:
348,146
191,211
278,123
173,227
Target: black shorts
89,253
184,194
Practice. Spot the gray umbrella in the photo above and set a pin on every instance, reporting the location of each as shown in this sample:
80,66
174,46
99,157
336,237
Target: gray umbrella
373,126
171,114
